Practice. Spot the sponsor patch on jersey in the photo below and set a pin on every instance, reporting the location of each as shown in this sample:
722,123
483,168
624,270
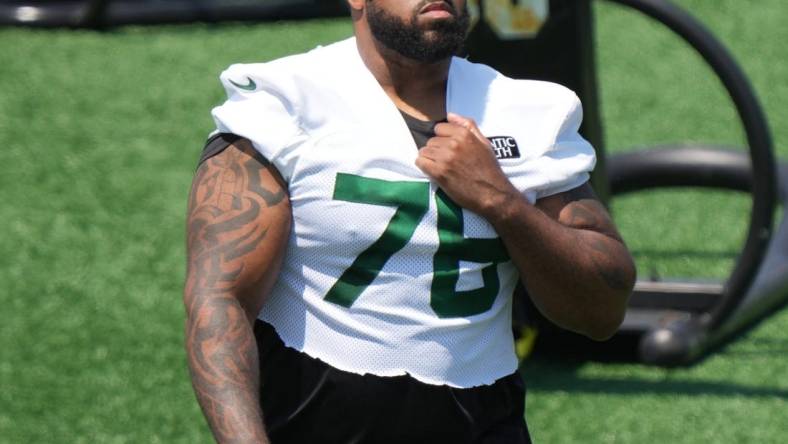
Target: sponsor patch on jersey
505,147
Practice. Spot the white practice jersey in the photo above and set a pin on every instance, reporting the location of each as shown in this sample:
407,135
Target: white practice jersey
383,273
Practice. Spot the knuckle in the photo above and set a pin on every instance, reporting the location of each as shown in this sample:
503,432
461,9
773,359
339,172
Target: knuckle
439,173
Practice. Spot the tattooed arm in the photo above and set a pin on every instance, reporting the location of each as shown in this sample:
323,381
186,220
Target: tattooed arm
571,259
238,225
574,264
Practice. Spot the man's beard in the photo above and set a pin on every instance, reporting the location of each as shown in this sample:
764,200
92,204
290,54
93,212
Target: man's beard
411,41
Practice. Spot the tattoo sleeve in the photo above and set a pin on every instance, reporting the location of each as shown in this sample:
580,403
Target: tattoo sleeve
581,210
238,224
572,260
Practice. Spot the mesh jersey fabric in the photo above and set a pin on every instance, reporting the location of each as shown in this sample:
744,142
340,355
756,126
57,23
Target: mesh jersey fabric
383,274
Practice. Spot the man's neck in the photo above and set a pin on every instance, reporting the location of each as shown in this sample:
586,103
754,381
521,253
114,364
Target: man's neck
416,88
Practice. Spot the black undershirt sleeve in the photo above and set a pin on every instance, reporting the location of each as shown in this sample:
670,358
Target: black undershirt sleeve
216,144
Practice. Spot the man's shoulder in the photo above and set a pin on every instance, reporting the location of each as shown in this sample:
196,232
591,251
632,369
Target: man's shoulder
288,79
478,79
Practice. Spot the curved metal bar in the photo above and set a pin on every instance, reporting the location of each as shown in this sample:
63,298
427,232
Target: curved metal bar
703,166
677,342
764,187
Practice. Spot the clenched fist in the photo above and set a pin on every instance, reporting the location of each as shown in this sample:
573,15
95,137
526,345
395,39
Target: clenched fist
461,161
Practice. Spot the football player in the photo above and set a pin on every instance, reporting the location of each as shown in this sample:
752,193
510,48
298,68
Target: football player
357,226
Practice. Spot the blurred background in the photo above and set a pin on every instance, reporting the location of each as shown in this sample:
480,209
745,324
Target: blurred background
101,131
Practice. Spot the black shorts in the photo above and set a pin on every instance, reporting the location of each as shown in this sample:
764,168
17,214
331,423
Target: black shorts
306,401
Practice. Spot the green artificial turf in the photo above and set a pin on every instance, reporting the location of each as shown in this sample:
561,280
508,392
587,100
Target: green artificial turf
100,135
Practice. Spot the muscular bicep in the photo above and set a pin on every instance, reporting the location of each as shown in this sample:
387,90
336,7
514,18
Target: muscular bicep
579,208
238,224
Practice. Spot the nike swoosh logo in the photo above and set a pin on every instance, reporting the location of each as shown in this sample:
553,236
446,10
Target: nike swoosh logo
251,86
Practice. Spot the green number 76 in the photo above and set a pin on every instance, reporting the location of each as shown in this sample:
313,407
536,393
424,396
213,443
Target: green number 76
411,198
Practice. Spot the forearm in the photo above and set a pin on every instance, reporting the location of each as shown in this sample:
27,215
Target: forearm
224,368
577,277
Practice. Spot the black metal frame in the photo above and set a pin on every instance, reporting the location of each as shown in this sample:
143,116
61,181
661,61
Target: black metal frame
685,340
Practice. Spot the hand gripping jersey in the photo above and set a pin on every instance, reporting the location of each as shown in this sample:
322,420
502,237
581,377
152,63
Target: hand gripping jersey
383,273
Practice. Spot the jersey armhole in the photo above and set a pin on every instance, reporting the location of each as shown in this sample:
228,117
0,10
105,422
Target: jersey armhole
216,144
219,142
